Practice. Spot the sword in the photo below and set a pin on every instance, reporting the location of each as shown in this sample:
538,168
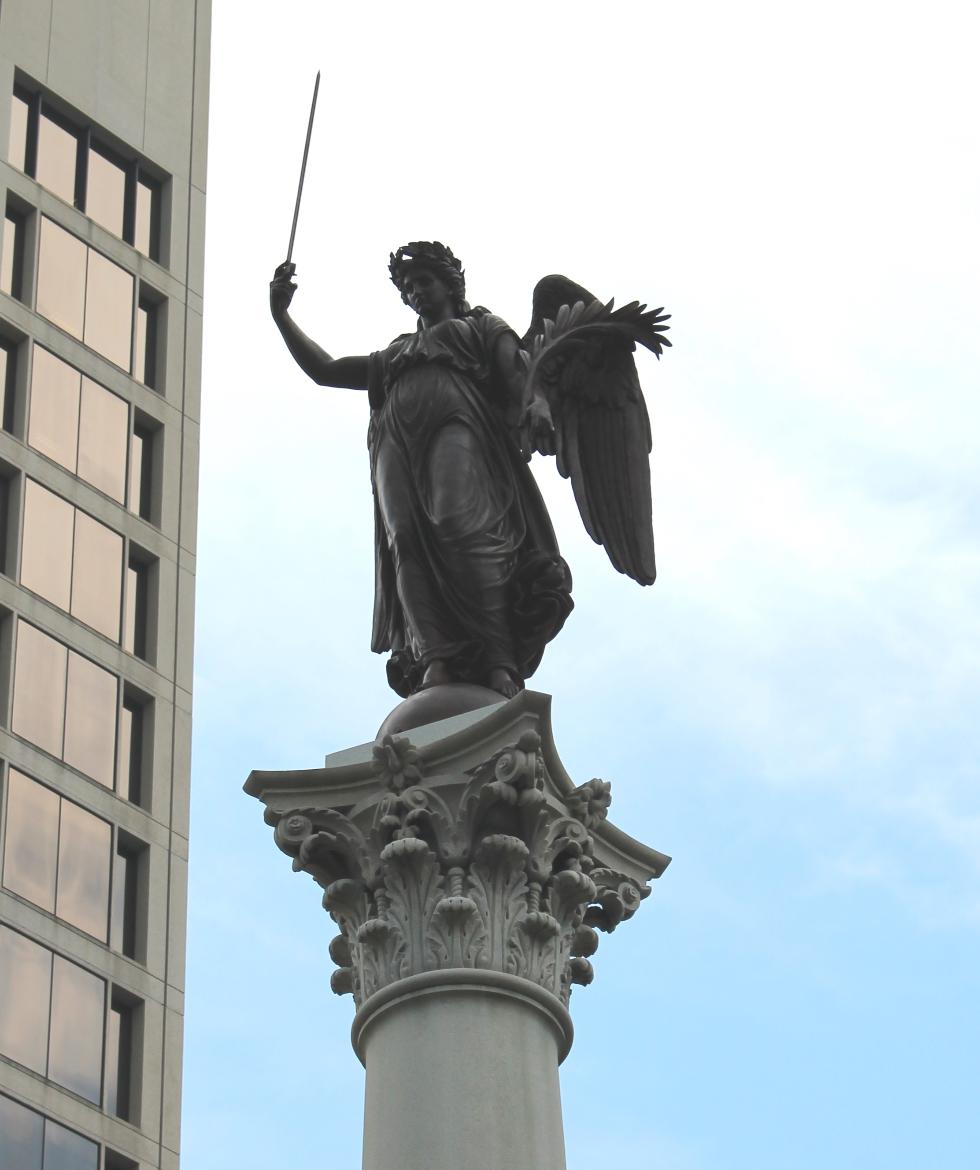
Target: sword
302,170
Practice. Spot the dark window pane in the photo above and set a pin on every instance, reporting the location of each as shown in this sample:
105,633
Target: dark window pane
147,218
125,879
131,751
7,247
141,472
137,456
119,1060
45,563
137,597
114,1161
61,278
30,848
77,1020
129,618
109,309
6,370
52,427
102,430
57,158
39,689
21,1136
84,852
12,256
8,366
5,506
97,576
90,719
66,1150
139,343
25,976
105,196
146,341
17,148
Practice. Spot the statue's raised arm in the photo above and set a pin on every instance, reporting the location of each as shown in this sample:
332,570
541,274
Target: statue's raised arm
314,361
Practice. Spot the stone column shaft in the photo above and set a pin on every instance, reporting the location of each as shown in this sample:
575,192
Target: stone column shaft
462,1073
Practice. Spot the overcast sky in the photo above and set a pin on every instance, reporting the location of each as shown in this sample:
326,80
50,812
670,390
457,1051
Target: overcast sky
790,711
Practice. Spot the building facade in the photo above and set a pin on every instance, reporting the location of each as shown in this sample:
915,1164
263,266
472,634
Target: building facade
103,132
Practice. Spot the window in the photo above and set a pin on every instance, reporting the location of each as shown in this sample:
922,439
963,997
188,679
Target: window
56,166
85,427
114,1161
105,198
120,1051
133,734
125,921
52,1015
12,255
57,855
20,116
65,704
71,560
141,453
8,365
145,347
140,575
29,1141
69,159
85,293
63,1022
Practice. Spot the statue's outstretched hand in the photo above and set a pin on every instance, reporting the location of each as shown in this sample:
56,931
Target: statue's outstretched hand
538,429
281,289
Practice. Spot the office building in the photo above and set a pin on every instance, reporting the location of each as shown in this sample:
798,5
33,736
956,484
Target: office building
103,131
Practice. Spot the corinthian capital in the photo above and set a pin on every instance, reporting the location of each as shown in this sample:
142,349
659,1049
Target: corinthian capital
470,849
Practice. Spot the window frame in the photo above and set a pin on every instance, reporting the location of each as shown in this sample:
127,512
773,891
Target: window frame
113,994
136,169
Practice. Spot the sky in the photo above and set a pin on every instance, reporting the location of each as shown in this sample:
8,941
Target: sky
789,711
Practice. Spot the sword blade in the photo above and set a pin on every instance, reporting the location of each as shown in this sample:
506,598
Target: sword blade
302,170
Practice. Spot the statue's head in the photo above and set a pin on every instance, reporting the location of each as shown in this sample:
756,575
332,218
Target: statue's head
435,258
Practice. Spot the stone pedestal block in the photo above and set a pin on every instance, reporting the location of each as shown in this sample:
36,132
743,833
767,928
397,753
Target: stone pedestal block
468,877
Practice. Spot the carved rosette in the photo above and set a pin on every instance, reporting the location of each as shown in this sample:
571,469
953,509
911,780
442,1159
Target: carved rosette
480,870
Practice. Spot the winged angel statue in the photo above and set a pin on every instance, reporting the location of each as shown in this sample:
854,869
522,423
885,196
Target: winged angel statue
469,583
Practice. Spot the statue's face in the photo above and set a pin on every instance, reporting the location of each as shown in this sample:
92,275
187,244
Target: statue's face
428,294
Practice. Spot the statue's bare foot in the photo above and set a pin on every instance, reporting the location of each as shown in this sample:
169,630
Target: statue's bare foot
501,680
436,674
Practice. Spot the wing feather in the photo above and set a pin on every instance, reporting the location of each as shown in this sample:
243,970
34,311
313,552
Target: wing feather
581,355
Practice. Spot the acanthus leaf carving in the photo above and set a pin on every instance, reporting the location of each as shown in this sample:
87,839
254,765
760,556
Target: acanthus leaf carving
498,886
413,886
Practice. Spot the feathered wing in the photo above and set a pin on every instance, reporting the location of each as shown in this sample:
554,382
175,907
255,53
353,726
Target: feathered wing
581,356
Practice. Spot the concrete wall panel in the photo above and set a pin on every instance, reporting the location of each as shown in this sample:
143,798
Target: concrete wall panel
169,75
98,54
27,24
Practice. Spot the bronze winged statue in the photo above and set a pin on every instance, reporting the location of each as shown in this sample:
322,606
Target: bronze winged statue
469,583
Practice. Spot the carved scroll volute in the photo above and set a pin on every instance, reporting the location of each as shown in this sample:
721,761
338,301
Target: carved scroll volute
502,791
291,831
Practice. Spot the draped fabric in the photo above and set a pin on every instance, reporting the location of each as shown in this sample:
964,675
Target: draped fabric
467,566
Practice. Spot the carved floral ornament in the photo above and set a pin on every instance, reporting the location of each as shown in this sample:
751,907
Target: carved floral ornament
486,871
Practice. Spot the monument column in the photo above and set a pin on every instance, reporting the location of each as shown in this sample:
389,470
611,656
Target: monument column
468,877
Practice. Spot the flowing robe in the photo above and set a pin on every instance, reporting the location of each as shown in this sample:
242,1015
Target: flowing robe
467,566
